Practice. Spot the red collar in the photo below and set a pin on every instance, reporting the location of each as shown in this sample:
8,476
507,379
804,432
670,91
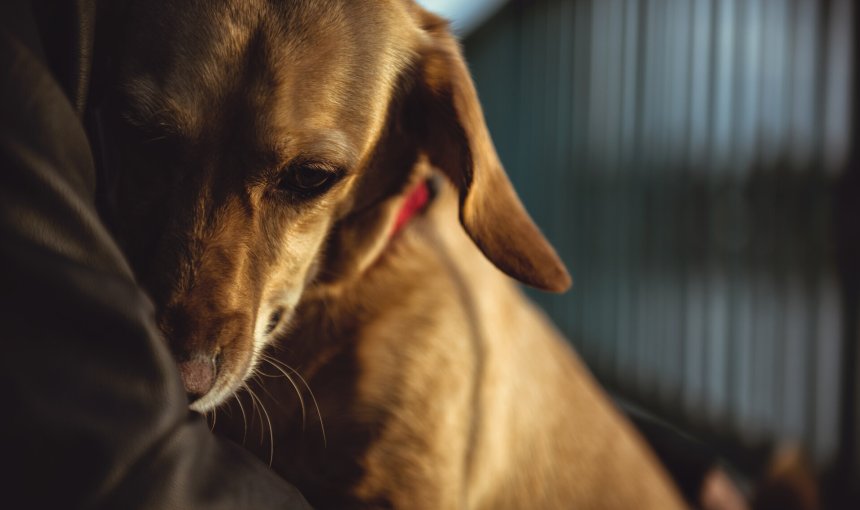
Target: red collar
415,203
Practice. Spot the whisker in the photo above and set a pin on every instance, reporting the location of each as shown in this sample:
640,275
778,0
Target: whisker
264,374
293,383
275,362
244,416
269,421
259,373
254,409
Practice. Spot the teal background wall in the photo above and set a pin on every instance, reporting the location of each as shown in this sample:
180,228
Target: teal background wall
685,158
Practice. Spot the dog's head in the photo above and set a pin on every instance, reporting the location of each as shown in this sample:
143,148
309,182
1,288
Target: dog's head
262,145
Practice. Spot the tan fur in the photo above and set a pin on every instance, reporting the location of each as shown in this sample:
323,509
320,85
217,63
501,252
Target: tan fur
439,385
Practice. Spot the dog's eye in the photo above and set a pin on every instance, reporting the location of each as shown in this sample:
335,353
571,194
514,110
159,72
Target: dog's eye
308,180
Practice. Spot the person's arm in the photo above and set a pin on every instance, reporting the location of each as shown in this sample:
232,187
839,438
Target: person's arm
94,414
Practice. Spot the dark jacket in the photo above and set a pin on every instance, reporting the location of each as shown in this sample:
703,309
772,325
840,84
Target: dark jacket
94,414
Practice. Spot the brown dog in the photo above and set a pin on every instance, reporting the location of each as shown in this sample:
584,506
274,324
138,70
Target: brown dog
274,162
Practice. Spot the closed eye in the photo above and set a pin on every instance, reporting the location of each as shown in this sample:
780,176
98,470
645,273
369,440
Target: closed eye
307,180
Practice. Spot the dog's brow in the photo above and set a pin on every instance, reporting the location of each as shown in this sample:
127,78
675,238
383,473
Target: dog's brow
330,145
146,108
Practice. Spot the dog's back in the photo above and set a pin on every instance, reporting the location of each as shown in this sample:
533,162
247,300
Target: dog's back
546,436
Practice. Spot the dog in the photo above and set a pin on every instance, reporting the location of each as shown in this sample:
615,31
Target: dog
310,187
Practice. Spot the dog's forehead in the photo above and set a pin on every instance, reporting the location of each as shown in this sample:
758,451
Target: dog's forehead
337,71
288,68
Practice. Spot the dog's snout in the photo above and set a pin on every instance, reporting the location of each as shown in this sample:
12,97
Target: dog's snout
198,373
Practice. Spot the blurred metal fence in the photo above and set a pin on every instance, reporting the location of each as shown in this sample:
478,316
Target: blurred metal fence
683,156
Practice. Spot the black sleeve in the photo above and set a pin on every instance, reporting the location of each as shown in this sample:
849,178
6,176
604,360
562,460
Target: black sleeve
94,414
687,459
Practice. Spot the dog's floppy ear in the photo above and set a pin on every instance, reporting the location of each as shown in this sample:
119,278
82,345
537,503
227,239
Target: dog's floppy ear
445,114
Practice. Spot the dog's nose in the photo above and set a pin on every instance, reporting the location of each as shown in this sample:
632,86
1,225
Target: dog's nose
198,374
